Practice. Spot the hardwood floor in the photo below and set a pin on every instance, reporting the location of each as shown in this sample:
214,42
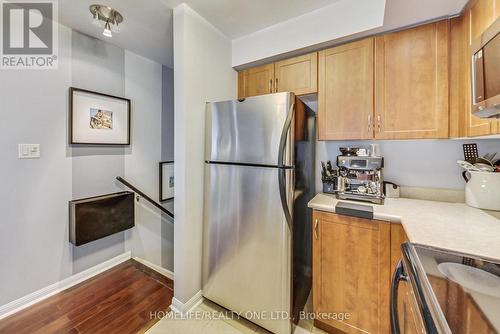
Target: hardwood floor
119,300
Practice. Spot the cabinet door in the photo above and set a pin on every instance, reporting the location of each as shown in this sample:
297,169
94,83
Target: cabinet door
459,89
411,83
475,126
298,75
398,236
345,92
351,273
256,81
497,15
482,14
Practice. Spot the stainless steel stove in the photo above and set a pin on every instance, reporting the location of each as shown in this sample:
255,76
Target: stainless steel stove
440,291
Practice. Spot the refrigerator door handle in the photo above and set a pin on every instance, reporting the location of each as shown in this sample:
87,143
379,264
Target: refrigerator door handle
283,196
281,164
284,136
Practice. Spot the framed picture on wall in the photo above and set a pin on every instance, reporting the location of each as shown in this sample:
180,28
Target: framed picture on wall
166,181
98,119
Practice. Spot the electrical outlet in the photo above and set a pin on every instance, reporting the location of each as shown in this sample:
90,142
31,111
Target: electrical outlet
29,151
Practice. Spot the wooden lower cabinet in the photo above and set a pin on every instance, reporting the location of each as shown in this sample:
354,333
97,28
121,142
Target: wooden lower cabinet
398,236
351,273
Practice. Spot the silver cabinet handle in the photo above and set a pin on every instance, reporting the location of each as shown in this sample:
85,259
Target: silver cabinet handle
369,122
379,123
316,229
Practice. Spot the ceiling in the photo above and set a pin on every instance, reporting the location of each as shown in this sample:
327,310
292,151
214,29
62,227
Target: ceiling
147,28
236,18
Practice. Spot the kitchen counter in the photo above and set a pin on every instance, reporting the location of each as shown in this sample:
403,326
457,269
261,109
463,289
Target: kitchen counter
453,226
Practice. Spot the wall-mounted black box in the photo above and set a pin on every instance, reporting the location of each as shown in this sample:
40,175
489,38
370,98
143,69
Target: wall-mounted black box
98,217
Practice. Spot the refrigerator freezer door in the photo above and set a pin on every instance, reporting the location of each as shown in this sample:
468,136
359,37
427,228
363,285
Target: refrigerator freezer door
247,244
252,131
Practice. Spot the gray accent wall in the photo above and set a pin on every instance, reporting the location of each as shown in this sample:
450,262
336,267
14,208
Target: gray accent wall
167,115
97,66
34,194
167,154
34,245
415,163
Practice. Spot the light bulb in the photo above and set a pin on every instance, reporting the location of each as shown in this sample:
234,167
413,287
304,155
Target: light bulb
107,30
115,28
96,20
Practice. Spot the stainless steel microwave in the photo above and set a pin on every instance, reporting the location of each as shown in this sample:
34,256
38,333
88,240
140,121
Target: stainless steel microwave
486,73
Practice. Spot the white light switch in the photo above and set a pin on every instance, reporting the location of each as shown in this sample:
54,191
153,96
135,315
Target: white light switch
29,151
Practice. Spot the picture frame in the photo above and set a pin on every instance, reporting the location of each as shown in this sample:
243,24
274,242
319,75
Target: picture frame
98,119
166,181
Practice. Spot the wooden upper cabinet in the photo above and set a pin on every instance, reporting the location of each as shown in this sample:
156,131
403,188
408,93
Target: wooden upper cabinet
351,272
345,94
411,83
476,20
497,15
256,81
298,75
482,14
459,102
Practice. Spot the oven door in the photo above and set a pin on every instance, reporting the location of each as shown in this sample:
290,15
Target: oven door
405,317
411,311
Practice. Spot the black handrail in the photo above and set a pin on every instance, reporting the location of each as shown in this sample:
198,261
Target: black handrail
149,199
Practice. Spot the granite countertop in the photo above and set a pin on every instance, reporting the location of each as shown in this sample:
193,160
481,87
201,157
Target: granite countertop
453,226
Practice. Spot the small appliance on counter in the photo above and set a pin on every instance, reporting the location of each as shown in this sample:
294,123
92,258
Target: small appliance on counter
391,190
360,176
443,292
482,178
482,190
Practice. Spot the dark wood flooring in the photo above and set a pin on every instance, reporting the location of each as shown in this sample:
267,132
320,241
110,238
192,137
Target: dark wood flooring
119,300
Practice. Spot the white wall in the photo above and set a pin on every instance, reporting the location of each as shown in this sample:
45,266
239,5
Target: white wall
342,18
202,72
34,244
416,163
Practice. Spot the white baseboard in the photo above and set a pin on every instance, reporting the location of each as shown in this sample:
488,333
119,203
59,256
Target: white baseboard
37,296
184,308
165,272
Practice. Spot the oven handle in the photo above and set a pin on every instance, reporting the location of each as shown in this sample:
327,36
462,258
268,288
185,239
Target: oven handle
397,277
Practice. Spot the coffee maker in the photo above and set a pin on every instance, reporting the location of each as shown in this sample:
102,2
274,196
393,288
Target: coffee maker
360,177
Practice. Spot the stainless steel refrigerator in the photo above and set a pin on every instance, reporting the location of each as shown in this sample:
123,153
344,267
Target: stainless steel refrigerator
259,176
